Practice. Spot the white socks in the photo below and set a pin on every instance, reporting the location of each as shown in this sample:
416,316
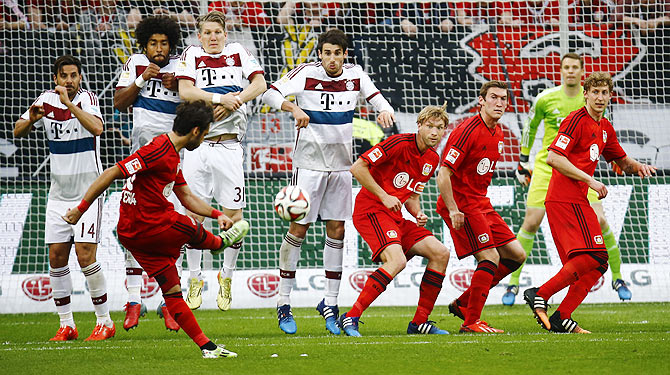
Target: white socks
289,254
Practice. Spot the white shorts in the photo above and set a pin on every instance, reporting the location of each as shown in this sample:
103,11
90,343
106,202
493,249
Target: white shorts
329,194
215,171
86,230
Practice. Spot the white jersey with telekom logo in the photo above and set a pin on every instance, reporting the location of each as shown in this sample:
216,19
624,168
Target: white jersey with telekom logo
155,107
221,73
325,144
74,151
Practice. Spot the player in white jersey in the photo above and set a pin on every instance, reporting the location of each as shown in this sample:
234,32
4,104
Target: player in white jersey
326,94
215,72
72,122
148,83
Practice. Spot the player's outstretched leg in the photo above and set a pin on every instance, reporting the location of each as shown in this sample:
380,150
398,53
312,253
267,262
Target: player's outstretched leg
349,325
539,307
234,234
286,321
163,313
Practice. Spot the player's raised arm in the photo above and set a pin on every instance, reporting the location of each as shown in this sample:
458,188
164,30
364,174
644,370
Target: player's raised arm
361,171
632,166
447,194
23,127
94,191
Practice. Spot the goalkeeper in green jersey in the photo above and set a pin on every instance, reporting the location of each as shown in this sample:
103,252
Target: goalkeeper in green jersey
553,105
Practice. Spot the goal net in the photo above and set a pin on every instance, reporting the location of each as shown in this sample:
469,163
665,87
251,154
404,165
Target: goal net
417,54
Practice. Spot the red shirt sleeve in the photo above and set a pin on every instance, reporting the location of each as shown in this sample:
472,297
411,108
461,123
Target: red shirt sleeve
137,162
568,135
383,151
612,150
458,145
179,180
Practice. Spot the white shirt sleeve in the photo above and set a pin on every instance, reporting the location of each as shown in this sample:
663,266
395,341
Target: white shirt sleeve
292,82
186,65
127,74
250,65
26,115
372,94
90,104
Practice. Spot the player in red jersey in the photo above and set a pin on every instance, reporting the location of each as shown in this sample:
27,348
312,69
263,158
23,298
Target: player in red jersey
394,173
471,154
582,137
150,228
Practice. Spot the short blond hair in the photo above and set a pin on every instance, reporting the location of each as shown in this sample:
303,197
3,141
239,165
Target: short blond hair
213,16
433,111
598,79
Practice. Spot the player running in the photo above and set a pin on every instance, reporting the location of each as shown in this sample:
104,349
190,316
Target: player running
393,174
326,93
72,122
552,106
582,137
471,154
150,228
148,83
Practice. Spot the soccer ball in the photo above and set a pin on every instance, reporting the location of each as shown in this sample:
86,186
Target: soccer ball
292,203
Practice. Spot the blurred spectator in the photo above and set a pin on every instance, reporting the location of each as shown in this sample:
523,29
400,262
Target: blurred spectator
417,16
12,16
184,11
470,13
53,14
595,11
240,13
531,12
646,15
307,13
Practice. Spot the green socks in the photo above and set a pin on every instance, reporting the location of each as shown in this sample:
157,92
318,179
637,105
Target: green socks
526,239
613,253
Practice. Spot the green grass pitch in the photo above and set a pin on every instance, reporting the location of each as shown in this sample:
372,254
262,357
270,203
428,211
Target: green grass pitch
628,338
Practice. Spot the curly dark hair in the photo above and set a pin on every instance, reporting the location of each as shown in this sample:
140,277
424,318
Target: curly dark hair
191,115
158,25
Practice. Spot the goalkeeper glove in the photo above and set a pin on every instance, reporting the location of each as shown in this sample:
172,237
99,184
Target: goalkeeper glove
523,171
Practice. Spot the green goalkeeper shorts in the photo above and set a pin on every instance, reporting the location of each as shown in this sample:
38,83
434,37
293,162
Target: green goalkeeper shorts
539,184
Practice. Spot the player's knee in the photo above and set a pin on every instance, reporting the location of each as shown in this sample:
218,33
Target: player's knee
85,258
531,225
441,255
168,280
601,257
298,230
174,289
335,231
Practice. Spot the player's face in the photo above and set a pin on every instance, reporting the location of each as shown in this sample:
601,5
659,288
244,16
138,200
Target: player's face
571,72
597,99
212,36
332,58
196,137
69,77
158,49
431,131
495,102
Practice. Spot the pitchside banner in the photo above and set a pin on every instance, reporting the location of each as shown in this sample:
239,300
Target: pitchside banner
648,278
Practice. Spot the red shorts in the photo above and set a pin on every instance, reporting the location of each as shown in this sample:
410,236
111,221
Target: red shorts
575,228
380,229
156,253
479,232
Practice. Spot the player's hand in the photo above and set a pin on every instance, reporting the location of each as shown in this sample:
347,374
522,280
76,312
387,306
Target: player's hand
391,202
386,119
224,222
35,113
457,219
646,170
72,216
617,169
220,112
523,173
421,219
599,187
62,94
170,82
151,71
301,118
231,101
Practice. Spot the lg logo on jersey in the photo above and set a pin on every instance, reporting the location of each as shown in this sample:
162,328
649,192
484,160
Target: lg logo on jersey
402,180
485,166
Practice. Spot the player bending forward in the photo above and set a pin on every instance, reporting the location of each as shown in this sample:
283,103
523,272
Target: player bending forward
394,173
151,229
582,137
471,154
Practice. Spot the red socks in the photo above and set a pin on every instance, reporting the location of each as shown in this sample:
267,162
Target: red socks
505,267
578,292
431,284
574,269
184,317
376,284
479,290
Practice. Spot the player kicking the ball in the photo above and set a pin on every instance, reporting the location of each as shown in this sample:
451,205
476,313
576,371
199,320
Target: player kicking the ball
151,229
582,137
393,174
